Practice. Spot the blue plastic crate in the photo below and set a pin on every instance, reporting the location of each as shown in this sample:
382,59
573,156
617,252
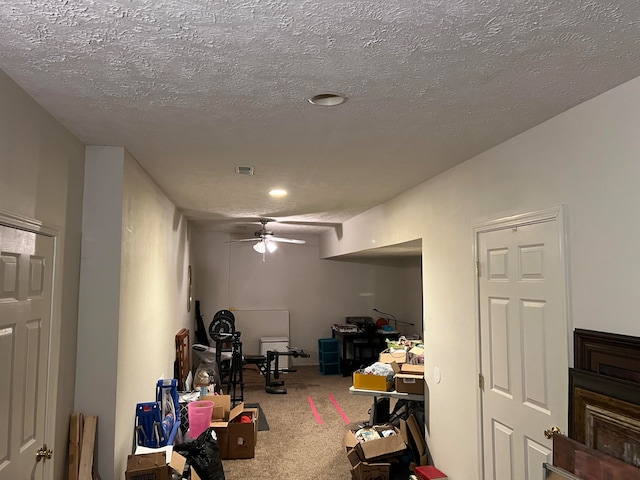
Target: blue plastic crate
331,357
326,345
330,368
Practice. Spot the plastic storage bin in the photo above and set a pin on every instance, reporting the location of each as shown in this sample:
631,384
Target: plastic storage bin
329,356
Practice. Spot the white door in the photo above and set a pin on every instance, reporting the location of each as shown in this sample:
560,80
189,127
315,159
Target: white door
26,267
524,345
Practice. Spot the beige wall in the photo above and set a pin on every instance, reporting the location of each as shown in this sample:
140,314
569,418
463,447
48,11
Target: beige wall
586,159
318,293
41,178
133,298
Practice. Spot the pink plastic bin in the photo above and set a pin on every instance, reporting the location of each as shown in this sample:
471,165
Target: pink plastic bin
200,413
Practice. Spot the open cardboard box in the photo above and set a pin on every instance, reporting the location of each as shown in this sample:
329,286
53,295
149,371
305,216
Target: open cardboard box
376,450
361,470
413,435
235,439
416,351
177,464
151,466
409,378
398,355
364,381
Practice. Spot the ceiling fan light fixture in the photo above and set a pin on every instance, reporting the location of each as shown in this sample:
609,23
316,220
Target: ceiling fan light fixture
327,99
271,247
260,247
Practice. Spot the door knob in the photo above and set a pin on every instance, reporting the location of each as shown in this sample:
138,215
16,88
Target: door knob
551,431
43,453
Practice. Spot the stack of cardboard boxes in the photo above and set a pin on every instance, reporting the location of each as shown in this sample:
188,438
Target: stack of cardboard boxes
406,362
411,351
374,458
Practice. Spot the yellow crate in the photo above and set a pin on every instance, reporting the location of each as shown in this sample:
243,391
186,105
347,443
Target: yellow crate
363,381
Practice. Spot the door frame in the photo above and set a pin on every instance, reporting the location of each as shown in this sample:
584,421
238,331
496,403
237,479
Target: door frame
20,222
553,214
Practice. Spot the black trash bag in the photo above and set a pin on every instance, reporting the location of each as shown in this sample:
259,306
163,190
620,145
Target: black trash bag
203,454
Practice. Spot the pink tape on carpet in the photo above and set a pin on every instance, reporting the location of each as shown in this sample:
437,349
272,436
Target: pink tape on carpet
315,411
335,404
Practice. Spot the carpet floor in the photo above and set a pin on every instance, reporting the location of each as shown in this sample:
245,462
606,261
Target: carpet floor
306,428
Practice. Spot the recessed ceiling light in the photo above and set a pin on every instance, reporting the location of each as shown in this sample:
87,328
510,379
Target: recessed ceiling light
278,192
327,99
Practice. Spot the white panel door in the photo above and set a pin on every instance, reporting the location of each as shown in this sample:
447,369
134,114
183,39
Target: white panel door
524,341
26,267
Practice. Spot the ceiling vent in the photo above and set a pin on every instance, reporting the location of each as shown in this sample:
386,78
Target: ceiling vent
244,169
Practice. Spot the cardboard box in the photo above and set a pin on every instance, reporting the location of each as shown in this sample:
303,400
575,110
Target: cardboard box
429,472
371,471
409,383
221,406
376,450
413,435
416,351
409,378
242,437
235,439
147,466
409,368
389,356
177,464
371,382
363,470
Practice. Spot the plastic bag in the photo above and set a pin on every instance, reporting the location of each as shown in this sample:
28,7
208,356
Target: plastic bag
203,454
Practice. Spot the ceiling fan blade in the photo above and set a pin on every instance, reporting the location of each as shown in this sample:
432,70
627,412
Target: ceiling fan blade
286,240
256,239
309,224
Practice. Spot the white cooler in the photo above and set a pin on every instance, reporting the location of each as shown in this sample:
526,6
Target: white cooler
276,344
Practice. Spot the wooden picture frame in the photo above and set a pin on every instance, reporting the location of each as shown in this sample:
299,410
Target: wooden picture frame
604,414
588,463
556,473
609,354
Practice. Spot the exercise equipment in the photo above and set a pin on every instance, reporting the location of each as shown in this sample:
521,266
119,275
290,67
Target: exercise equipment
269,365
223,332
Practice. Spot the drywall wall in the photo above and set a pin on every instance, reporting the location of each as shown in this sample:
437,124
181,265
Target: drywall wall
99,301
133,298
42,168
256,324
585,159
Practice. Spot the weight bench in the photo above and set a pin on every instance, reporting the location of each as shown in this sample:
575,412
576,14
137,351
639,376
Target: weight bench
263,362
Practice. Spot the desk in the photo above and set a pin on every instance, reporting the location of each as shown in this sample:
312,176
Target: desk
358,341
403,400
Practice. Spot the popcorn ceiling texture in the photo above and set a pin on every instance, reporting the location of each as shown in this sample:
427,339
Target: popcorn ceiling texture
193,88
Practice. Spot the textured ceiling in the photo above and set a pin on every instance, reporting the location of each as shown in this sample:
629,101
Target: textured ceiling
194,88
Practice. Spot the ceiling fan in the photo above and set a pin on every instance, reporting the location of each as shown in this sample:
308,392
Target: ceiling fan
266,241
